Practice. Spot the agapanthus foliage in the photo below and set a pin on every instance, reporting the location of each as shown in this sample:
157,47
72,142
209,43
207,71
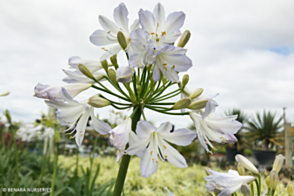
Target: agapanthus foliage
154,48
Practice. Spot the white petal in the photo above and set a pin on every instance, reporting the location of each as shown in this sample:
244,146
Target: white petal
138,146
81,127
120,16
165,128
147,165
144,129
172,37
101,38
159,14
174,22
229,190
182,62
108,25
209,108
139,34
156,73
135,25
171,154
147,21
99,125
133,139
181,137
112,51
64,94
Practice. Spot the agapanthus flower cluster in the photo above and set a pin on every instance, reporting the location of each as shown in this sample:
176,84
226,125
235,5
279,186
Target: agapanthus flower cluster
154,47
30,132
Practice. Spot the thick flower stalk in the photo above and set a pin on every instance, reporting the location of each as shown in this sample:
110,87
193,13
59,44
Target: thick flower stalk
149,81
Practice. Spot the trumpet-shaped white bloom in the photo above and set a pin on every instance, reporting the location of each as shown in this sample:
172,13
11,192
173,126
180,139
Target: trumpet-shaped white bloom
28,131
124,74
76,76
121,135
75,115
218,129
228,183
109,34
73,90
153,144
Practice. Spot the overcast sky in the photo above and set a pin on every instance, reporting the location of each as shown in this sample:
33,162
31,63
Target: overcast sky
240,49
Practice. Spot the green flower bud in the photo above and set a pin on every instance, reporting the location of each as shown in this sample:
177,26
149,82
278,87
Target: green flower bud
199,104
241,170
112,75
184,39
196,93
185,80
267,181
278,163
139,89
86,71
98,102
4,94
290,188
245,190
274,179
113,60
181,104
105,65
122,40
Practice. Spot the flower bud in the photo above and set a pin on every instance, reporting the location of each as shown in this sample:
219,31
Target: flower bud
122,40
274,179
86,71
245,190
113,60
199,104
105,65
112,75
184,39
163,79
241,170
278,163
246,163
139,89
4,94
290,188
124,74
98,102
196,93
185,80
267,181
182,103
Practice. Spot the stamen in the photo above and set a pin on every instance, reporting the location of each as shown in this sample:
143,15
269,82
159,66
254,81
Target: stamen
67,134
211,152
163,33
151,152
221,137
108,32
70,137
61,129
68,122
154,133
164,146
152,159
165,68
165,156
140,65
81,135
157,24
156,35
173,67
156,161
164,64
152,33
104,49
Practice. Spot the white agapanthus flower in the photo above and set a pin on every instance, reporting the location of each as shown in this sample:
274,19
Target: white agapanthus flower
109,34
76,76
48,133
73,90
121,135
29,131
228,183
153,143
124,74
218,129
75,115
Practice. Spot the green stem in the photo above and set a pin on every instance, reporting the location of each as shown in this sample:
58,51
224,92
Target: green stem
166,103
170,113
269,191
120,180
252,189
273,192
120,108
55,169
165,98
109,92
259,184
257,187
127,104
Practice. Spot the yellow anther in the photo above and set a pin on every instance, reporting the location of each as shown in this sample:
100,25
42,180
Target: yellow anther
165,156
164,64
152,159
156,35
151,152
173,67
129,39
81,135
61,129
165,68
154,133
157,24
211,152
206,142
113,136
119,150
221,137
67,134
156,161
70,137
81,131
68,122
152,33
164,146
104,49
140,65
108,32
163,33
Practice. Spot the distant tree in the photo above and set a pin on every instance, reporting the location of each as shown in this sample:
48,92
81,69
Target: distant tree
263,129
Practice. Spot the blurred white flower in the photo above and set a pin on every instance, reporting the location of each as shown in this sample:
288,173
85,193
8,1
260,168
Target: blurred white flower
153,144
227,183
28,132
